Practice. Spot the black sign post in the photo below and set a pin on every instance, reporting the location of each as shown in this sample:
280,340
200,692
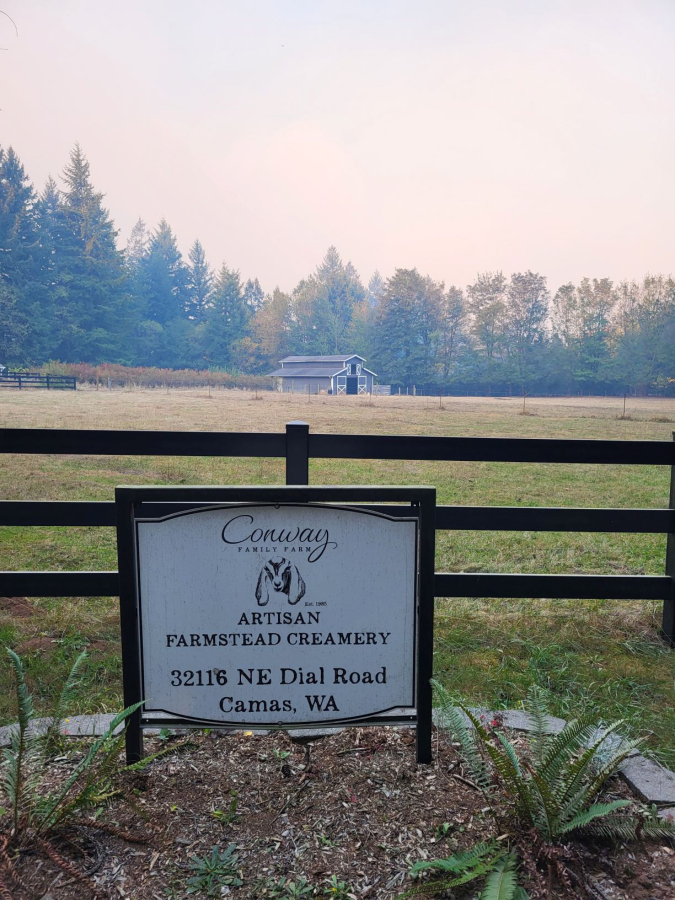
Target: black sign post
158,504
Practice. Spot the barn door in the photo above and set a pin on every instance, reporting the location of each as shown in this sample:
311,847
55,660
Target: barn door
363,383
342,384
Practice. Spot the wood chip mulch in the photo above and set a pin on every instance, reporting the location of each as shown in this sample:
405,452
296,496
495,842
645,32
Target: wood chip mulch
353,804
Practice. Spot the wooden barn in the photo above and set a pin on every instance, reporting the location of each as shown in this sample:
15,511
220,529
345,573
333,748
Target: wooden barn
345,374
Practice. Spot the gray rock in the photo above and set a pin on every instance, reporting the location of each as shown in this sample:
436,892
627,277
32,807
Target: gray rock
306,735
650,781
520,721
613,744
88,726
512,718
38,726
668,813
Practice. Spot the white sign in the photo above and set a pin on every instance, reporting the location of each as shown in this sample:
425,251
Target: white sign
277,613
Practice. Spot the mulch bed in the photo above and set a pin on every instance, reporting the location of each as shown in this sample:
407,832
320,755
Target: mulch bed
354,805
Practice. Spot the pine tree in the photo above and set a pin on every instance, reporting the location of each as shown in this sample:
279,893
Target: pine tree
18,233
226,319
338,288
407,326
376,288
88,292
199,283
253,295
14,327
137,245
165,278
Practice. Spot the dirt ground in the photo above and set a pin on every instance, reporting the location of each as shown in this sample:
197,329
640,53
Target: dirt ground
353,805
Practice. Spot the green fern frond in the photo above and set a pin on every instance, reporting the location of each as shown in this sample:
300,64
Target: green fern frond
95,785
613,829
575,735
511,753
591,753
537,711
612,765
596,811
460,860
63,705
469,745
502,882
16,762
658,830
165,751
51,813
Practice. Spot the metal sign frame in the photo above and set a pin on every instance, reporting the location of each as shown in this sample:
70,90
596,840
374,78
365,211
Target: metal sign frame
143,503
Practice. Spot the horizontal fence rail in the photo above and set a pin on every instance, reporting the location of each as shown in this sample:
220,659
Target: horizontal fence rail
297,445
335,446
141,443
33,379
448,518
532,450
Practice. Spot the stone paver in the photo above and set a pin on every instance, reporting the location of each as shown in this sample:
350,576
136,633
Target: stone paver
650,781
305,735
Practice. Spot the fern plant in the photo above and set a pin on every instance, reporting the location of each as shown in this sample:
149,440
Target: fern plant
554,789
36,810
488,861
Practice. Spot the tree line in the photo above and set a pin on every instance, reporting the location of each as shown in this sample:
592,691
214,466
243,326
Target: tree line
69,293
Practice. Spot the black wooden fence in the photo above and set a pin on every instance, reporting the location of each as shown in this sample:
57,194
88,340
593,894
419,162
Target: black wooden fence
297,445
36,380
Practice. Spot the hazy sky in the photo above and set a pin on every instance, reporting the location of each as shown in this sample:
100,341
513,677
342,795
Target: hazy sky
453,136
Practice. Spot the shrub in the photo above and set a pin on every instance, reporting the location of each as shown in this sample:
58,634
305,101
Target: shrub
36,810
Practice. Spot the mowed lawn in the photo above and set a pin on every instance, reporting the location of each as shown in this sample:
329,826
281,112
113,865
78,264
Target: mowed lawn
601,654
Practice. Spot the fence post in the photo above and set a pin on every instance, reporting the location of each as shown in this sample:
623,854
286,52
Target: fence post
668,622
297,452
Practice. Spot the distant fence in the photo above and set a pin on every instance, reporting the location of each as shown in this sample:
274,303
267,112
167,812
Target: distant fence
36,380
297,445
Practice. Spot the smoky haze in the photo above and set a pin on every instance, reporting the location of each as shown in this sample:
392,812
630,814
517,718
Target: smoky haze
453,137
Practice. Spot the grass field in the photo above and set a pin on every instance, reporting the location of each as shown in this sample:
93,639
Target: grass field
604,654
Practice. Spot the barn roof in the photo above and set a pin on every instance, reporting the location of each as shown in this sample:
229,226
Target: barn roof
308,371
320,359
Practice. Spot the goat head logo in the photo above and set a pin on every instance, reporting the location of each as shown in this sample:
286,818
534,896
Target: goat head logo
279,576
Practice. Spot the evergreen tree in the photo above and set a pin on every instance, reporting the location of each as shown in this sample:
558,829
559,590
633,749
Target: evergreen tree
88,292
199,283
226,319
165,278
18,233
407,326
376,288
13,327
137,246
338,288
253,295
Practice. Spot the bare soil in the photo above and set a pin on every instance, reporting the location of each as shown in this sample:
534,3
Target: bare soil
354,805
19,607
